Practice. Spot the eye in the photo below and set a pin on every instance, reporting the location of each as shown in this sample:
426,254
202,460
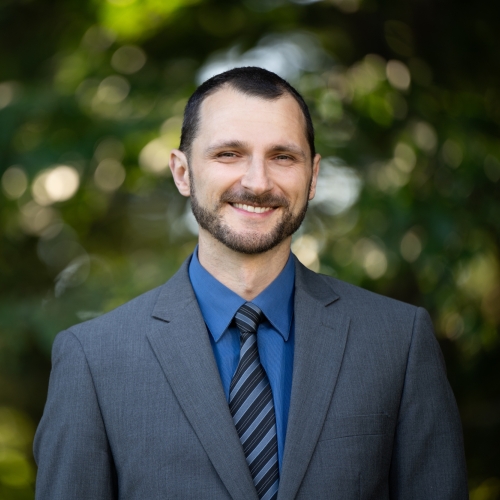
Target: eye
226,154
284,157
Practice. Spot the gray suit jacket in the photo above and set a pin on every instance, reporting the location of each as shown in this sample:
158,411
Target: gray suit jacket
136,409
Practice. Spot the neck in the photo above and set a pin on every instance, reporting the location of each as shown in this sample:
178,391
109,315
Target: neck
246,275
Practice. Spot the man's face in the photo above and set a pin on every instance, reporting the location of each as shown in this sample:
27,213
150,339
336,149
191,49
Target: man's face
251,173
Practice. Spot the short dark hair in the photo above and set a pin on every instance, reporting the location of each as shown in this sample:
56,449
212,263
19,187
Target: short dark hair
248,80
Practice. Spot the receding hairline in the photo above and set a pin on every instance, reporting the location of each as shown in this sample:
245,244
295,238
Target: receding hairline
227,86
247,80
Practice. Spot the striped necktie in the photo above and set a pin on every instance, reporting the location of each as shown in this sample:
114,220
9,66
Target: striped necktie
252,408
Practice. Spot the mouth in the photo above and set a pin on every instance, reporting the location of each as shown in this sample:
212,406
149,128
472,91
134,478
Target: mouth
252,208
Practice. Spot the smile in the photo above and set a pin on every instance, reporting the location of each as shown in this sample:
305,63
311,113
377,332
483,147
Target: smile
250,208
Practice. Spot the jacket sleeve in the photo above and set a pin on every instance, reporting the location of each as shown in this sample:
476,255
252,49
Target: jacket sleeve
71,448
428,457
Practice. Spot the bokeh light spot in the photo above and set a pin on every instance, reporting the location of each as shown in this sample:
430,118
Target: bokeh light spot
411,246
35,219
16,429
389,176
109,147
86,91
425,136
109,175
365,76
38,189
15,470
478,276
16,434
7,93
128,59
398,75
330,106
371,257
62,183
113,89
154,157
404,157
14,182
98,38
306,249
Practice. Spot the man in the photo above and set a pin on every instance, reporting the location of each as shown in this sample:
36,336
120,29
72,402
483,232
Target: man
246,375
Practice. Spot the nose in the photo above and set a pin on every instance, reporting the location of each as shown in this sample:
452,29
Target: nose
256,178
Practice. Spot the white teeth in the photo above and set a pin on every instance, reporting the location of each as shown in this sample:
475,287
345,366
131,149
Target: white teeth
250,208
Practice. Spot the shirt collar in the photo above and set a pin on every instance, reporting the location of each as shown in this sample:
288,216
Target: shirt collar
218,304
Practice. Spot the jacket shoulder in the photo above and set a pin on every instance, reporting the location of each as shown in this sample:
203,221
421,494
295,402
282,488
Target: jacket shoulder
328,290
368,311
127,318
350,292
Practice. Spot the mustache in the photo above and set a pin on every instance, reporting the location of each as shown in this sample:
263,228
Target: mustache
264,200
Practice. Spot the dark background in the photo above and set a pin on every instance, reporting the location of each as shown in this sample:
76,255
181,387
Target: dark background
406,100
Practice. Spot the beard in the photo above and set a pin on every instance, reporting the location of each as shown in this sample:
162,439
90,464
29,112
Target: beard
252,242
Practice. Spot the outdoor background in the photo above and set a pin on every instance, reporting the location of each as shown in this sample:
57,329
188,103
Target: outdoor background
405,95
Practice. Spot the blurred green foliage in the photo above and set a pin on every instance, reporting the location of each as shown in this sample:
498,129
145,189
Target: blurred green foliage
406,100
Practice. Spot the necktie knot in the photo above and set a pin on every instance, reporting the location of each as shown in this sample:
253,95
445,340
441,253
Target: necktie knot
247,318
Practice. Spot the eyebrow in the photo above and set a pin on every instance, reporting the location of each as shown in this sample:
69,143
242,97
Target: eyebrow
289,148
226,145
277,148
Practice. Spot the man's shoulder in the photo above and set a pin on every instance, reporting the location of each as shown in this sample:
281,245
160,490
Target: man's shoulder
370,314
127,317
349,295
351,292
134,318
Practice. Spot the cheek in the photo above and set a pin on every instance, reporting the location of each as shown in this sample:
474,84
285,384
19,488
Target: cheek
296,188
210,188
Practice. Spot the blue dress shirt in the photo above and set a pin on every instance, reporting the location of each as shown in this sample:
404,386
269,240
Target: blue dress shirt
275,336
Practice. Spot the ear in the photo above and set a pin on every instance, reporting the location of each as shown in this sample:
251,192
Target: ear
180,171
315,172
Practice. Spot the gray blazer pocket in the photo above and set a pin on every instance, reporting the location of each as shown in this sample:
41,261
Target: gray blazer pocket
355,425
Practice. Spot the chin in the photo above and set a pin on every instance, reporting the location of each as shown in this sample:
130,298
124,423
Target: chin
250,243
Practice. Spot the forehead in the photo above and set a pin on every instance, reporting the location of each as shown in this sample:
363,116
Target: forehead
230,114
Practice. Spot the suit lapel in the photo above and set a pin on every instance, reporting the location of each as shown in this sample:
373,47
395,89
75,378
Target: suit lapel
181,343
320,339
